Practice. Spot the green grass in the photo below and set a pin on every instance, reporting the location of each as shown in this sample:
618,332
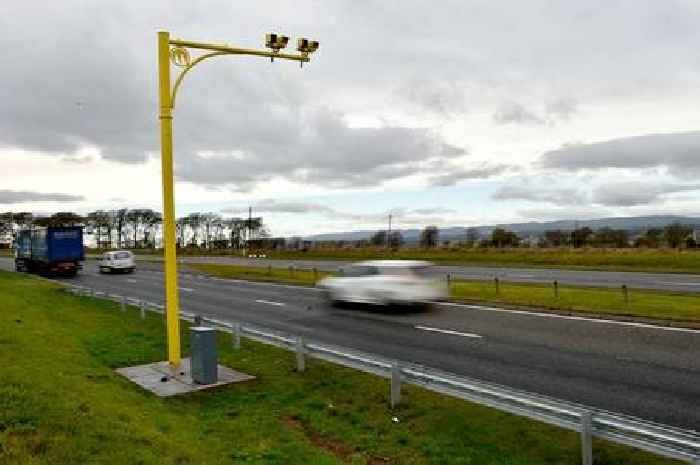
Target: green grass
662,260
255,273
644,304
61,403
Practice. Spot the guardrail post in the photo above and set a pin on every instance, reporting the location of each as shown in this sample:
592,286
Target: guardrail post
626,294
142,307
497,282
586,441
236,336
269,270
556,289
123,303
198,320
395,385
315,274
301,359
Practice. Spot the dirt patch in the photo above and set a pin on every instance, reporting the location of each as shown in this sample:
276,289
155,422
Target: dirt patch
339,449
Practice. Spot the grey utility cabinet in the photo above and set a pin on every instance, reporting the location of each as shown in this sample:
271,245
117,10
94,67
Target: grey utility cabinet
204,357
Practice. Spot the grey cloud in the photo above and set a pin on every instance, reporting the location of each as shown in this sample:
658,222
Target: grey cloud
541,193
679,152
303,207
10,197
323,150
568,213
60,94
444,98
517,114
432,211
561,110
556,111
633,193
452,175
274,206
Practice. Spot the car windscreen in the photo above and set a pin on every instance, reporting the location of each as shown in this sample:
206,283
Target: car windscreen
122,256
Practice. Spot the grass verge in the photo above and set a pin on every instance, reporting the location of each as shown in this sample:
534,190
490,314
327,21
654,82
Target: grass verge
608,302
256,273
62,403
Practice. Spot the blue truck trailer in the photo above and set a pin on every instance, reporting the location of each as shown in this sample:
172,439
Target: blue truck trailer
50,250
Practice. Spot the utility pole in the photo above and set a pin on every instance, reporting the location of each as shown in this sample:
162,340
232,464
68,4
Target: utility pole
250,222
388,234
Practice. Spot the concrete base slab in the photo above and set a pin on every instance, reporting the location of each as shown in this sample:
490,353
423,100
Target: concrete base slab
162,381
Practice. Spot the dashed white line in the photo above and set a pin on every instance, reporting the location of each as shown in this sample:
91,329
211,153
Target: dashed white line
671,283
447,331
187,289
131,281
570,317
269,302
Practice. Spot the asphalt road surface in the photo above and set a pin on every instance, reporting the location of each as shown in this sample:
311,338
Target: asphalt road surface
649,372
658,281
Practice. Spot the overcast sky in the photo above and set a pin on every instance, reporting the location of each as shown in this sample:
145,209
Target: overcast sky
448,113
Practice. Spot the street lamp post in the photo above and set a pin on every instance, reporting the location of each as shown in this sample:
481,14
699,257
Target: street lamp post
178,52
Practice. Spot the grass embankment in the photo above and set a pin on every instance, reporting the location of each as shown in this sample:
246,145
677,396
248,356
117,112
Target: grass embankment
5,252
663,260
263,274
62,403
608,302
604,302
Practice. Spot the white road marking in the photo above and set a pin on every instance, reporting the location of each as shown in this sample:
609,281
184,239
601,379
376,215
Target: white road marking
131,281
678,284
269,302
570,317
187,289
447,331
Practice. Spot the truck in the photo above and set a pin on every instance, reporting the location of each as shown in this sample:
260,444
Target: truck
54,249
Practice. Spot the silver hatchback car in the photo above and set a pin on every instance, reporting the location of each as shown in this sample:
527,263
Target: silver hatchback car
119,261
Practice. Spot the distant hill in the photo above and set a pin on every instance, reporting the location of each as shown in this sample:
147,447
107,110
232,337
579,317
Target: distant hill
632,224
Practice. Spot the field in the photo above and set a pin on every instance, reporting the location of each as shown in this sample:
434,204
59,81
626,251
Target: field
662,260
61,403
608,302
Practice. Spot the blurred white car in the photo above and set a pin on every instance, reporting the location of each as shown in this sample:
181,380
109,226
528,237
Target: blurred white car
386,282
121,260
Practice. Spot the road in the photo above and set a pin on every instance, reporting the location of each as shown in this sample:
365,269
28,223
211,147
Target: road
649,372
635,280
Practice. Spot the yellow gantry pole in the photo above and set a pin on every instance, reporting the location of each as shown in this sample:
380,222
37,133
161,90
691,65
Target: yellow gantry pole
167,101
172,304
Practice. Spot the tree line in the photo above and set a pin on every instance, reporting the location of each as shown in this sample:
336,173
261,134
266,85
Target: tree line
142,227
674,235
